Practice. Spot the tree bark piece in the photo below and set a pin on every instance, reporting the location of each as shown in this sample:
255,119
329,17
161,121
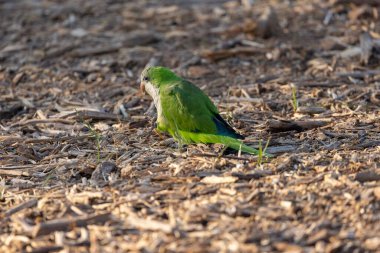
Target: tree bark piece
47,249
357,2
299,126
20,207
281,149
67,224
310,110
16,173
9,113
226,53
366,176
82,115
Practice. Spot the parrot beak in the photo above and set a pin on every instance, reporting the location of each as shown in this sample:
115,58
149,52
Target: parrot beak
142,87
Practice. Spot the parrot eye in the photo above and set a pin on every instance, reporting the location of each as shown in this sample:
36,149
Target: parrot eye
146,79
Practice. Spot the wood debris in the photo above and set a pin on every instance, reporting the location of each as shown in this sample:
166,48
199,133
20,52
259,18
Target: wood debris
82,168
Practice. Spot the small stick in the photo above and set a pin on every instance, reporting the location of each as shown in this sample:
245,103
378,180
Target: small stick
226,53
366,176
245,99
14,173
285,125
66,224
43,121
310,110
94,115
358,74
20,207
47,249
152,225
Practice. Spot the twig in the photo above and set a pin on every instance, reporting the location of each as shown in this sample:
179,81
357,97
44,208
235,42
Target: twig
14,139
150,225
66,138
284,126
15,167
219,180
309,180
42,121
225,53
244,99
47,249
317,84
56,52
358,74
310,109
357,2
14,173
367,176
67,224
253,175
82,115
22,206
368,144
281,149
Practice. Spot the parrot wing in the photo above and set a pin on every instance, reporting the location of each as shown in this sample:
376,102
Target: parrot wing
187,108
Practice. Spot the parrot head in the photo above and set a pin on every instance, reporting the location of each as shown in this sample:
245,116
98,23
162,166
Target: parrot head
152,78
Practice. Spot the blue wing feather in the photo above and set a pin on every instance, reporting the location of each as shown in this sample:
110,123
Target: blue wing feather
223,128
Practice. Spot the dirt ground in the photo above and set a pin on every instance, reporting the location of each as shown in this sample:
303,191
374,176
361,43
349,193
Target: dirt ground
82,169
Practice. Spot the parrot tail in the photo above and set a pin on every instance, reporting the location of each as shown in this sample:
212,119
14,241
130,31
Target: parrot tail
191,137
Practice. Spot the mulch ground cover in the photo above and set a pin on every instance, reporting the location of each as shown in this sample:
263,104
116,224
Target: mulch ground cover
82,168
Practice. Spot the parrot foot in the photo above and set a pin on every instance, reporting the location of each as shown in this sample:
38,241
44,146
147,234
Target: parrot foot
227,151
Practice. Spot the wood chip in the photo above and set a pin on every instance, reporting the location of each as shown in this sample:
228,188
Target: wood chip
66,224
226,53
20,207
219,180
150,225
310,110
284,126
367,176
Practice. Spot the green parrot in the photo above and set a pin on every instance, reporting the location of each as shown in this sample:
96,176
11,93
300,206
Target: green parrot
186,112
